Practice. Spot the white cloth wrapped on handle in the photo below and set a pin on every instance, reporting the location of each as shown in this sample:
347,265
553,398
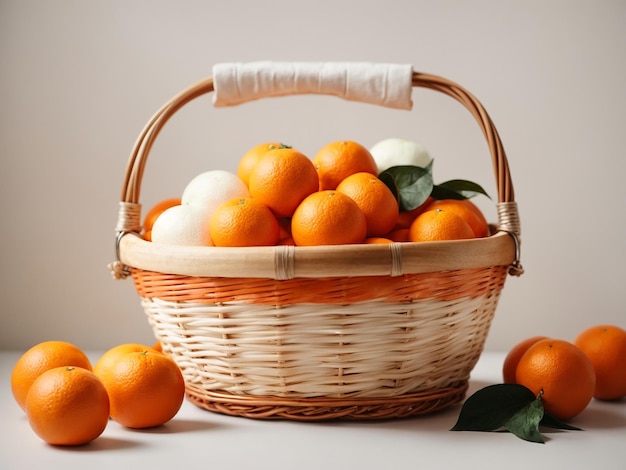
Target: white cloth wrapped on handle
383,84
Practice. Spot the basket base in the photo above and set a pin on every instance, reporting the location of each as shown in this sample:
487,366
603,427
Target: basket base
326,409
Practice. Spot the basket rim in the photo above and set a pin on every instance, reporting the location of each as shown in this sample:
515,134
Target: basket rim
287,262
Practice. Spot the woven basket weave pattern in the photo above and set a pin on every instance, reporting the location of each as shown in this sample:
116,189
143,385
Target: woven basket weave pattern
335,342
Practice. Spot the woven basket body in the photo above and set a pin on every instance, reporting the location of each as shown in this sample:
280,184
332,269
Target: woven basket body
315,333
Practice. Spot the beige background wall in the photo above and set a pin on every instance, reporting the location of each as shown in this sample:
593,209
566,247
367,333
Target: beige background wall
79,79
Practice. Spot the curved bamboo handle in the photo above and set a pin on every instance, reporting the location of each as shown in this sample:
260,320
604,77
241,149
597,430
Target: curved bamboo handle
129,218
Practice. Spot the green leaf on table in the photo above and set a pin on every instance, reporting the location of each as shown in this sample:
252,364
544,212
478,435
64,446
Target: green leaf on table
525,423
549,421
490,408
507,406
458,189
411,185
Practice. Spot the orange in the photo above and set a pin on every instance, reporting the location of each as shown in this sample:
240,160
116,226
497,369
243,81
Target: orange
244,222
399,235
286,241
40,358
377,241
406,218
285,237
605,346
154,213
512,358
328,218
251,157
67,406
109,357
439,224
146,389
337,160
467,210
562,372
281,179
157,346
374,199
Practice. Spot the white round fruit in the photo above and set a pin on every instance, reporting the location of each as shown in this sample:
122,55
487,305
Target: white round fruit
395,152
212,188
185,225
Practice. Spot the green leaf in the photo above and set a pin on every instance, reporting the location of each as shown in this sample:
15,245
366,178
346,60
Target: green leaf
463,189
411,185
509,406
549,421
492,407
525,423
389,181
441,192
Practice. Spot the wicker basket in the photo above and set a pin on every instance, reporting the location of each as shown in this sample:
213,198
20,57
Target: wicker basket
318,333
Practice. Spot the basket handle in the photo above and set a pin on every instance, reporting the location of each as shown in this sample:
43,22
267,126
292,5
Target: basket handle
384,84
381,84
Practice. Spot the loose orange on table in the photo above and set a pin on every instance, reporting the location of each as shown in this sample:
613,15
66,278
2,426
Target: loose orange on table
244,222
514,355
337,160
281,179
328,218
40,358
375,200
146,389
67,406
467,210
112,355
562,373
251,157
605,346
439,224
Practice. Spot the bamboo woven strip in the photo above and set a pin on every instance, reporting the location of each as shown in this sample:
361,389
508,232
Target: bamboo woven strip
322,409
442,285
321,261
366,349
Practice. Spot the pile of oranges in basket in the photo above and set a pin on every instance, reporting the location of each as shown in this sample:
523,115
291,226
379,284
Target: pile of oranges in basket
280,196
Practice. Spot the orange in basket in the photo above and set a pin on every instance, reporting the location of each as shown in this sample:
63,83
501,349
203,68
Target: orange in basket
281,179
337,160
328,218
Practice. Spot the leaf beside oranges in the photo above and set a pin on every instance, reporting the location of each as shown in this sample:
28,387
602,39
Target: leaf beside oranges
413,185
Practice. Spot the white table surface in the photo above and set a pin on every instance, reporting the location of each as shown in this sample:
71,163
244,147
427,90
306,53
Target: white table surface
197,438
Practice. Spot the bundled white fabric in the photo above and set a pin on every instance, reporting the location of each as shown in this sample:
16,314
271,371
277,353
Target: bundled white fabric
382,84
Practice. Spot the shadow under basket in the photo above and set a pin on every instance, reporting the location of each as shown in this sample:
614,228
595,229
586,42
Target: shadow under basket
357,332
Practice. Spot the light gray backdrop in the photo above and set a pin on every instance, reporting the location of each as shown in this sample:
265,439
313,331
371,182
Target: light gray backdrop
79,79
